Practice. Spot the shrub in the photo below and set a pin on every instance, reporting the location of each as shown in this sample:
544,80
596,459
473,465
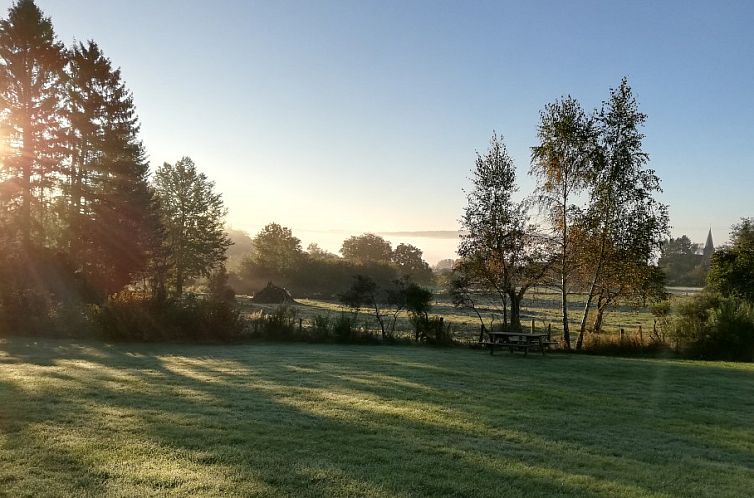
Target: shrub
343,328
278,324
135,316
25,311
711,327
612,345
714,327
321,326
443,333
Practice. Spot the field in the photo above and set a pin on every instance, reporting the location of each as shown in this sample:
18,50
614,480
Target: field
540,305
90,419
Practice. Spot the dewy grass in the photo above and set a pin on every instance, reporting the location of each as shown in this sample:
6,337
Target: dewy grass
87,419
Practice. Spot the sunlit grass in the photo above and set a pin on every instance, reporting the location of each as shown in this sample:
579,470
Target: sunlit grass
323,420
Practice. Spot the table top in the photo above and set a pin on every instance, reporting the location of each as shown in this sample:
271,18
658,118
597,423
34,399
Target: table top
526,334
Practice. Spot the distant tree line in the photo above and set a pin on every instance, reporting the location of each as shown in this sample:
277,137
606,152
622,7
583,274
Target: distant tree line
685,263
276,255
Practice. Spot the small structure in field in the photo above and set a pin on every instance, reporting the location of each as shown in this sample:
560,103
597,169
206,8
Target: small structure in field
272,294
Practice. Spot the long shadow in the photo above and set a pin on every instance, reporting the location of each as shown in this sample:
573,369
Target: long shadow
304,415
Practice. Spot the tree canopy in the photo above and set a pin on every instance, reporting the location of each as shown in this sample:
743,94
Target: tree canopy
367,248
193,216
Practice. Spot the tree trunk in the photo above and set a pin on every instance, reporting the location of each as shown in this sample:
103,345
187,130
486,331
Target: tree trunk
564,276
515,312
505,312
587,307
179,282
27,158
379,320
590,297
598,321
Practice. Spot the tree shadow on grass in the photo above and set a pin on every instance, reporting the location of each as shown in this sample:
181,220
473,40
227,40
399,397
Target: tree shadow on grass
324,421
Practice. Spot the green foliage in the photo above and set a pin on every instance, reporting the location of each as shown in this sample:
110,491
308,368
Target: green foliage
418,304
661,308
31,69
502,253
36,286
714,327
621,230
277,324
134,316
681,263
385,303
275,254
562,163
192,214
732,269
410,264
361,293
611,345
218,288
111,214
283,323
367,248
435,331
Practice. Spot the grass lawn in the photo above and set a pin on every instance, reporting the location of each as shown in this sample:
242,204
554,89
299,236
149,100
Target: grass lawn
91,419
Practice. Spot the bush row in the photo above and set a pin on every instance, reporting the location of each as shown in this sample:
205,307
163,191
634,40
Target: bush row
283,324
127,316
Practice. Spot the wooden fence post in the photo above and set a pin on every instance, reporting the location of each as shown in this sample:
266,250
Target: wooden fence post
300,324
532,325
549,332
641,336
621,334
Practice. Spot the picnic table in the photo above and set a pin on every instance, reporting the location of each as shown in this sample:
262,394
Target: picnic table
518,341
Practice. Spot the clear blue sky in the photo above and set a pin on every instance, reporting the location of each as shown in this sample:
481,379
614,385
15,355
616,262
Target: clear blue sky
343,117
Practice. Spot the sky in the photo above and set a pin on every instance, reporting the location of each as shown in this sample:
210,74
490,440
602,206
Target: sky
338,118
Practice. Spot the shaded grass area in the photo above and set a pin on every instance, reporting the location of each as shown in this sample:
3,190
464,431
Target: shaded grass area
86,419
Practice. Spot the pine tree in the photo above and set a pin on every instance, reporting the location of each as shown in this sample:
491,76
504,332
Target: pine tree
31,64
111,212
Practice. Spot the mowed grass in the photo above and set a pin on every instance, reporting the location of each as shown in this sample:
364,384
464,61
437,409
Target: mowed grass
88,419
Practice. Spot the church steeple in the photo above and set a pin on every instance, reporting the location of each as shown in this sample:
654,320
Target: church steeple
709,248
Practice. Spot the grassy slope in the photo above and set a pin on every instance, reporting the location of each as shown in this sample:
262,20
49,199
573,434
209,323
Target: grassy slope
313,420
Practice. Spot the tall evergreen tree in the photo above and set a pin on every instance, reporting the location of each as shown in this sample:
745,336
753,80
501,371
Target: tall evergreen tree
31,65
192,214
111,212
